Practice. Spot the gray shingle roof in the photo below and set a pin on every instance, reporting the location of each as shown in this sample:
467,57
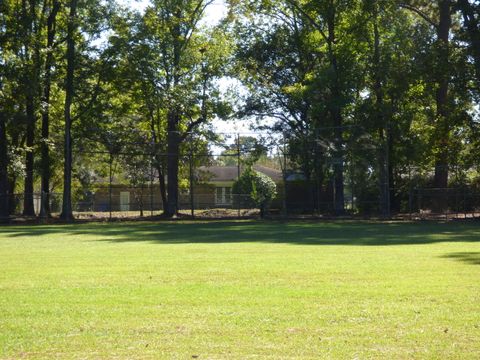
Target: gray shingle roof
230,173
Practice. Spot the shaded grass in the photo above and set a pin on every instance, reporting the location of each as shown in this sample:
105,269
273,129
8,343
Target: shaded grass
241,290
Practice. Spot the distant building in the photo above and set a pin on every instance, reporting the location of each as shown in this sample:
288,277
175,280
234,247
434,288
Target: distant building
212,189
222,178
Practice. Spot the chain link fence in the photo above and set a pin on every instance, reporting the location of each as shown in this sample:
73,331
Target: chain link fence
295,200
133,185
129,205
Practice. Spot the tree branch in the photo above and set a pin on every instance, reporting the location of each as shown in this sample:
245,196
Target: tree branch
419,13
309,18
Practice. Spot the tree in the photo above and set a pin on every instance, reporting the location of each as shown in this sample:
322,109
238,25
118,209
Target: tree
246,149
311,80
4,160
30,36
3,169
277,64
359,92
176,64
54,6
137,168
470,11
442,24
83,61
259,188
67,213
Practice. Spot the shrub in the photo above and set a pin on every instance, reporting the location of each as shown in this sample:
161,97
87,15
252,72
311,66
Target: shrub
254,189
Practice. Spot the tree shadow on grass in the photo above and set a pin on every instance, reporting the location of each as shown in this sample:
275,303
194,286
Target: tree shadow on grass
300,233
472,258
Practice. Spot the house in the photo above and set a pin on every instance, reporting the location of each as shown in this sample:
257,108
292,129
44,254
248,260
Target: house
218,181
212,189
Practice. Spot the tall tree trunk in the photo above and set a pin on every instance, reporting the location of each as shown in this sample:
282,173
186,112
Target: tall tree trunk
173,148
45,188
383,180
28,15
158,160
173,119
67,213
4,210
394,201
161,180
12,200
16,142
28,208
442,121
336,112
163,186
471,20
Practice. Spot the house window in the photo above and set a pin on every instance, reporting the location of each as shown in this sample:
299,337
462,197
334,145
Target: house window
223,196
124,201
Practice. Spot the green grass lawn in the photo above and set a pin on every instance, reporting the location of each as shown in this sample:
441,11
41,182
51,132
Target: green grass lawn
241,290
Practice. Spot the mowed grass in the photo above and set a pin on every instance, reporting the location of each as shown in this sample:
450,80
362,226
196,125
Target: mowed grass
241,290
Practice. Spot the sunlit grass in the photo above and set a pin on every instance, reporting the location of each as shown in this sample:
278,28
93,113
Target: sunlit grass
239,290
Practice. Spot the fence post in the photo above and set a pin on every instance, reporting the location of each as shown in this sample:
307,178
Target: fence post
110,187
457,206
192,204
419,202
285,210
151,187
238,171
352,186
410,201
5,214
446,203
43,212
387,167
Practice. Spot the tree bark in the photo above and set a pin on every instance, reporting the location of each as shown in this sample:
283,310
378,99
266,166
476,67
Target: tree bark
173,120
28,14
383,150
173,148
159,164
28,208
67,213
442,126
336,112
471,20
163,186
12,200
45,187
4,209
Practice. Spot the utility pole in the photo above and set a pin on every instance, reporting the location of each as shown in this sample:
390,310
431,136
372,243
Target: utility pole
151,185
387,170
285,212
110,186
190,158
238,171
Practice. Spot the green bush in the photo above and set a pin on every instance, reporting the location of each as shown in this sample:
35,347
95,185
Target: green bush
254,189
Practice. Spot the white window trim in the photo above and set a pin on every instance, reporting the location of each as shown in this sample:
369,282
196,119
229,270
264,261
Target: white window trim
223,200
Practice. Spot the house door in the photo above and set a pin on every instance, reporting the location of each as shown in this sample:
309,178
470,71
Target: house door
223,196
124,201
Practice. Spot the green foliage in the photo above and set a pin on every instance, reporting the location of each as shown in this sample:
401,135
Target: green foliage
358,82
254,189
347,82
250,149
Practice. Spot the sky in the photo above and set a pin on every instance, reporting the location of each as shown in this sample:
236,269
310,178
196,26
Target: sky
214,12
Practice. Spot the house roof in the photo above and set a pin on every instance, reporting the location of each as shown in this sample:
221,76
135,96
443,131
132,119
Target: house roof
275,174
230,173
